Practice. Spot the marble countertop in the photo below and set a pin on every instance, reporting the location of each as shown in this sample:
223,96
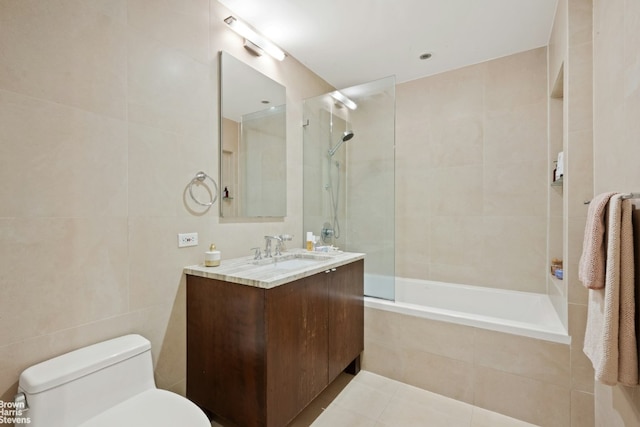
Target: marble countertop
268,273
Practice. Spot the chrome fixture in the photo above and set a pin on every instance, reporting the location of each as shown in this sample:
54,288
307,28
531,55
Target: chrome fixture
624,197
21,405
200,180
257,42
340,97
257,254
267,245
285,238
327,232
346,136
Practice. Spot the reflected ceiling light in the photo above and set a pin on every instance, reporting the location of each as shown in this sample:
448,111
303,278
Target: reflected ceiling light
346,101
255,39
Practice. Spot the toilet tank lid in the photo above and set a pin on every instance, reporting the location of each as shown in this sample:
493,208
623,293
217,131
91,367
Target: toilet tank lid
81,362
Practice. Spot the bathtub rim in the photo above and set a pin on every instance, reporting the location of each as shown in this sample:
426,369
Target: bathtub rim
477,321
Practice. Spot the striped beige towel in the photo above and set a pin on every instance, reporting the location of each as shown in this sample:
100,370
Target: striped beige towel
592,262
610,338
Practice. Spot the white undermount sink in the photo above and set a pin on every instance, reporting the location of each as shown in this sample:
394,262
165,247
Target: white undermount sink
293,264
289,263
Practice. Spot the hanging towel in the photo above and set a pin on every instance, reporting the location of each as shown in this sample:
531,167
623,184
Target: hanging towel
610,338
591,270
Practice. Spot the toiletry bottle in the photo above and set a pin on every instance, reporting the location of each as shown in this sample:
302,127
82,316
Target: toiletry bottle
212,257
309,241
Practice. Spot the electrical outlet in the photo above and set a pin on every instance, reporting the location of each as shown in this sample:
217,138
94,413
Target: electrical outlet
187,239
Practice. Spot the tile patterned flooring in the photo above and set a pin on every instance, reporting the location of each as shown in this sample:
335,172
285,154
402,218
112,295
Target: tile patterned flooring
370,400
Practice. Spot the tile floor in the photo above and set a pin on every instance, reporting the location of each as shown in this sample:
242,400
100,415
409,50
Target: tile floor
370,400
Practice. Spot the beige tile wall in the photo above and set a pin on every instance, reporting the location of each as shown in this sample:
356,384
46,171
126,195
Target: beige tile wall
107,111
471,174
521,377
616,131
543,383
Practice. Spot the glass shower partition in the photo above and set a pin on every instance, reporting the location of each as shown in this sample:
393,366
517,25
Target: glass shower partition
349,179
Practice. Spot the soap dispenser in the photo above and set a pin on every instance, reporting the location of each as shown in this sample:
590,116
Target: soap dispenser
212,257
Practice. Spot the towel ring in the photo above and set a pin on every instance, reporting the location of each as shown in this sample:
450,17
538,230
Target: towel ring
200,178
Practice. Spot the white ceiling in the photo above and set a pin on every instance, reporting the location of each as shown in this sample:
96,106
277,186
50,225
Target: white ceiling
349,42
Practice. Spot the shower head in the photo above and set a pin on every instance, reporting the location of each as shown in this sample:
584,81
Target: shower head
346,136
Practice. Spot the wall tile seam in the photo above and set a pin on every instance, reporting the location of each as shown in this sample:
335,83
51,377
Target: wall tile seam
179,114
506,110
141,33
565,383
75,108
474,362
26,340
572,48
566,387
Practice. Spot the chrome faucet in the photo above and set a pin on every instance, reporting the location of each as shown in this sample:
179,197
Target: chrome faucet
256,254
267,245
284,238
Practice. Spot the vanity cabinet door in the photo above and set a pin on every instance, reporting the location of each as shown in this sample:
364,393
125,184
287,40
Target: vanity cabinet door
225,349
346,317
297,346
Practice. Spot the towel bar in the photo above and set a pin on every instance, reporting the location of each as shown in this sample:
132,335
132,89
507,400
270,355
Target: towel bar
624,196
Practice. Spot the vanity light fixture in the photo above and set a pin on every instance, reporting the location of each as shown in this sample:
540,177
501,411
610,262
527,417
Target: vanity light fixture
338,96
254,40
253,48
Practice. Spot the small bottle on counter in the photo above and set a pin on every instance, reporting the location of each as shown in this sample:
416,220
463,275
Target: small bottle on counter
310,241
212,257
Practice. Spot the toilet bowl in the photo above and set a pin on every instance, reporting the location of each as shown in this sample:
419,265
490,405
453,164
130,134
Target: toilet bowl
106,384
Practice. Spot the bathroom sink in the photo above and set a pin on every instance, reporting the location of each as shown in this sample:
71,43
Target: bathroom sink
293,264
289,263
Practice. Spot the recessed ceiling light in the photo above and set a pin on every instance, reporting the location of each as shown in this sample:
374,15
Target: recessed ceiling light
426,56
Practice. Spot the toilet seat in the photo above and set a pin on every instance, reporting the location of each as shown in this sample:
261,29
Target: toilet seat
152,408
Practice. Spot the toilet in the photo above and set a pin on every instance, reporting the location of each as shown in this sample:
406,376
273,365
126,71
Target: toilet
106,384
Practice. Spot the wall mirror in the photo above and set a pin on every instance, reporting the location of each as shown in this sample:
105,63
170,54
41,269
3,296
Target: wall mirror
252,142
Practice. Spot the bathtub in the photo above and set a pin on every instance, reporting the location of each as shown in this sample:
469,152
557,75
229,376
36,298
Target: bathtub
522,313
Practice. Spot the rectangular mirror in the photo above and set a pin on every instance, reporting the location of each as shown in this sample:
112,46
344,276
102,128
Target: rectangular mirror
252,142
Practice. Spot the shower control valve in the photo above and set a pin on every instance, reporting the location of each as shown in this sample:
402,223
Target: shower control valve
327,232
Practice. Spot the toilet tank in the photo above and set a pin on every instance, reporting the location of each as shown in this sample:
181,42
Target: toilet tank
70,389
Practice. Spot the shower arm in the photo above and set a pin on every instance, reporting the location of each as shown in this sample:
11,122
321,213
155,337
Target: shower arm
333,150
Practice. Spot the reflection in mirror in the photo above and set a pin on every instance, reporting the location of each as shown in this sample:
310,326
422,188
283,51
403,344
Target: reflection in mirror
252,142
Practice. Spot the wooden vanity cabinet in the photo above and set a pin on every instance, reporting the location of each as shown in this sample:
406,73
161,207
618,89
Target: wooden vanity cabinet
257,357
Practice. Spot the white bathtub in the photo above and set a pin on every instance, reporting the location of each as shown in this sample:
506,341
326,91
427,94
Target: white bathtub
521,313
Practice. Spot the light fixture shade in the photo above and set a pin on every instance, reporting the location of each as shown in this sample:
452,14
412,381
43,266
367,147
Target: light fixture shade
248,33
253,48
338,96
